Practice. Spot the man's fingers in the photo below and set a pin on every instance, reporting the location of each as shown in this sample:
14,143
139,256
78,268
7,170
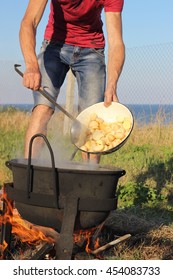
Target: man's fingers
31,81
115,98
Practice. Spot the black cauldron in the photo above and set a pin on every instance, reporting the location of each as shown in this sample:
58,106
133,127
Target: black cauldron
41,192
46,195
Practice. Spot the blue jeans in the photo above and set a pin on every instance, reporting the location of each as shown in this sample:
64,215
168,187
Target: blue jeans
87,65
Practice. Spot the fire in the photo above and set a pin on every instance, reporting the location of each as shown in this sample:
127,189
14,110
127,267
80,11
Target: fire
86,235
26,231
33,234
96,245
3,246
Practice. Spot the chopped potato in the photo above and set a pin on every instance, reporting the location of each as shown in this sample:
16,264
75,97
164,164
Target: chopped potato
103,136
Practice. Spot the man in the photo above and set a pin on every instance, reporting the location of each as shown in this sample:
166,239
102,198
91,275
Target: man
73,39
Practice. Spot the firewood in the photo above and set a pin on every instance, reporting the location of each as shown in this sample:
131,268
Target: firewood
106,246
48,232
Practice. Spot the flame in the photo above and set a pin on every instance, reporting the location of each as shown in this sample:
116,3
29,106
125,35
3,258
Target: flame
86,235
96,245
3,246
22,228
27,232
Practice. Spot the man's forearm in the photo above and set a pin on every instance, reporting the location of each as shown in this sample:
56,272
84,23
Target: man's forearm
28,42
27,33
31,76
116,57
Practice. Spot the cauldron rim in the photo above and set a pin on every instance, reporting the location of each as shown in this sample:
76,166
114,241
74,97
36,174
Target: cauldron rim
69,167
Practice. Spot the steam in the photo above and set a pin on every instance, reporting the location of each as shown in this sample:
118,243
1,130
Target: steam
62,156
61,150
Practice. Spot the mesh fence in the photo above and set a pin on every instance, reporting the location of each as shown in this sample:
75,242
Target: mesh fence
147,78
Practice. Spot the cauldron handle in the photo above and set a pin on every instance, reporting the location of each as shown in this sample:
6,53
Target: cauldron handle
29,186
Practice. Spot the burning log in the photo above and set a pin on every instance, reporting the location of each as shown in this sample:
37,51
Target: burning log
49,233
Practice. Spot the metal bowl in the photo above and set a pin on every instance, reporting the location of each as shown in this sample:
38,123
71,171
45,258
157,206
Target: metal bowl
111,114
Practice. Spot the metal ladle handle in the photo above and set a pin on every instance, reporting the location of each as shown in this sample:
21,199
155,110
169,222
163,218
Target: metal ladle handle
46,95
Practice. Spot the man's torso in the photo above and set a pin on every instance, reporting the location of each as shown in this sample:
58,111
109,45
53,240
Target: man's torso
78,22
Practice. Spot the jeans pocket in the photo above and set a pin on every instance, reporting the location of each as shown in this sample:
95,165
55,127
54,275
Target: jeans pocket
44,45
99,51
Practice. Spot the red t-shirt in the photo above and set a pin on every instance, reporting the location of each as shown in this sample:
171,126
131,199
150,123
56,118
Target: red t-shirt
78,22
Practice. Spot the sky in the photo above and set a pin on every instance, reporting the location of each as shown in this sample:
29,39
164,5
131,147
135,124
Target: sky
145,23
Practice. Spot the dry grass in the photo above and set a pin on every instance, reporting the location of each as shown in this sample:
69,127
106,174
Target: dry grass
13,121
151,230
156,244
154,134
149,240
19,120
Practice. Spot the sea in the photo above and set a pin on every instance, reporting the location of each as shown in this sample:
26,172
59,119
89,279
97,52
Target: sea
142,113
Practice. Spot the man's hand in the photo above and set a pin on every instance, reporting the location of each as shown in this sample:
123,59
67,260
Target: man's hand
32,79
110,95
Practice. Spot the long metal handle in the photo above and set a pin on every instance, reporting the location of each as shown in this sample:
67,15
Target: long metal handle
46,95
